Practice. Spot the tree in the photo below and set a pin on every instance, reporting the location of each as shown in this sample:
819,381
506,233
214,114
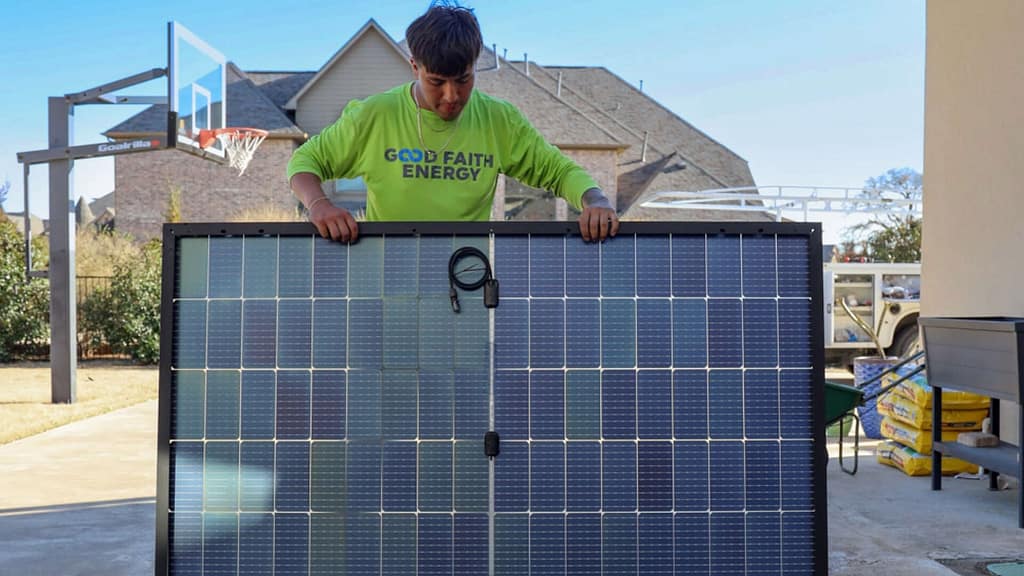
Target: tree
893,236
4,189
127,314
24,303
850,251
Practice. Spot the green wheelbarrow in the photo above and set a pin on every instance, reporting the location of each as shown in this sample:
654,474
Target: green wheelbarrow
841,401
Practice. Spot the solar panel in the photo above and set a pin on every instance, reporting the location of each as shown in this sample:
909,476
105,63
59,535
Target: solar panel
657,396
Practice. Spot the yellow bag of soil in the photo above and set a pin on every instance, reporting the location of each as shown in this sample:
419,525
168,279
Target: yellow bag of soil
904,410
919,440
913,463
917,390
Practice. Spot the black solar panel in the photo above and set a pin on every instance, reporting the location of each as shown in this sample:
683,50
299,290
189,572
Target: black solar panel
657,397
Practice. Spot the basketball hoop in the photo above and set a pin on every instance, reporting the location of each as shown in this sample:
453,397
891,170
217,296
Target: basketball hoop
239,144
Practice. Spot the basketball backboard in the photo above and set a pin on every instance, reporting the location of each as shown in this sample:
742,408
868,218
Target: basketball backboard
197,91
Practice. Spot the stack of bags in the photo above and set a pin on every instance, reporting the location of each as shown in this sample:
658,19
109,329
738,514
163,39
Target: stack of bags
907,423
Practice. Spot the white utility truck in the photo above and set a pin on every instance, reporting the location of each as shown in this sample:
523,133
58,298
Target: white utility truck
886,297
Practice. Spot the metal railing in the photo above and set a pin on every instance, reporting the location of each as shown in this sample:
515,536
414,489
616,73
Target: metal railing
87,285
779,199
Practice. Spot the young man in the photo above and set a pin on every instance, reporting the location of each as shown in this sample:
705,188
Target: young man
432,149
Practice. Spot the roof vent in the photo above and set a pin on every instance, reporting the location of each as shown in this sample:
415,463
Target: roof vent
497,62
526,63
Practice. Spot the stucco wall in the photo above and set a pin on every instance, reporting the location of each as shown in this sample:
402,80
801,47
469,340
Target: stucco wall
974,163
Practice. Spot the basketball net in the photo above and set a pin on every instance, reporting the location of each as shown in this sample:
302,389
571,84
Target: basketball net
239,144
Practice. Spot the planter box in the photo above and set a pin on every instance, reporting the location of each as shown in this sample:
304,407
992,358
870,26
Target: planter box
982,355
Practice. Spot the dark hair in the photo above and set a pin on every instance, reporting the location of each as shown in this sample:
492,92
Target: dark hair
445,39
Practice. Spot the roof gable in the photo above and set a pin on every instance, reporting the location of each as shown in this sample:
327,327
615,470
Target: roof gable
371,27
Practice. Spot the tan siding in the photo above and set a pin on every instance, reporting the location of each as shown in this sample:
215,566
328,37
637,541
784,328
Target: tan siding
369,66
974,135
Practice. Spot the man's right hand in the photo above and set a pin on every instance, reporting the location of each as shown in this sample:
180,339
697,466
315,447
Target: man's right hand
333,222
330,221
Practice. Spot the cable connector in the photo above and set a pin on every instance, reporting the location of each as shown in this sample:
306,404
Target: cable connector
491,293
492,444
454,296
486,279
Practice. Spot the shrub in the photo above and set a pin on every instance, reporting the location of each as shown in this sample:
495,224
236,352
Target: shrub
172,213
40,252
24,306
265,213
98,252
127,314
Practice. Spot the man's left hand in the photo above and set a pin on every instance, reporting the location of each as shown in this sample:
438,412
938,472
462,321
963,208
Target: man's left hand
598,220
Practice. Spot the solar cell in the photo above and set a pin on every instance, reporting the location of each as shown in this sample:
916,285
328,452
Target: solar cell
657,396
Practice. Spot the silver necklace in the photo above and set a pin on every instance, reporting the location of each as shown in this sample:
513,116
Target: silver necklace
419,124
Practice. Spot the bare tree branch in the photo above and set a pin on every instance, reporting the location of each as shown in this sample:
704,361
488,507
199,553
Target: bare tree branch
896,235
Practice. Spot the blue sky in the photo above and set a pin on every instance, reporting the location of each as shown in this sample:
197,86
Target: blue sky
810,93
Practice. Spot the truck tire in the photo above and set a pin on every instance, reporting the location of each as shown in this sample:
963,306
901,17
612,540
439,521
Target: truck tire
906,341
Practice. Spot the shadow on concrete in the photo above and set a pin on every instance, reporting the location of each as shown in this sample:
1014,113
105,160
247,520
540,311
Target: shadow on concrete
75,506
108,538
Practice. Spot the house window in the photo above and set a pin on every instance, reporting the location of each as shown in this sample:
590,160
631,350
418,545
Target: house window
350,194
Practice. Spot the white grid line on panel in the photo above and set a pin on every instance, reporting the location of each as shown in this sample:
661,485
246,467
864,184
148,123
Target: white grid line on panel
743,382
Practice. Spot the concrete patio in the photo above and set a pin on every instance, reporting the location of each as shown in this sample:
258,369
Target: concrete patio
79,501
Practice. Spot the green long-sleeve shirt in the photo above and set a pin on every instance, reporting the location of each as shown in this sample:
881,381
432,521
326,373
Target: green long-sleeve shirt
377,139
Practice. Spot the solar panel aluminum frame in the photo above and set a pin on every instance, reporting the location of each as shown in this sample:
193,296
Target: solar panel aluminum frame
174,232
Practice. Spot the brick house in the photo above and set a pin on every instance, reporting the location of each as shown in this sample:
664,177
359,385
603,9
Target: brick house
630,143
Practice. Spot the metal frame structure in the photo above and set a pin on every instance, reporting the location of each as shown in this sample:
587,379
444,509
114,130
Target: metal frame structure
779,199
61,156
173,232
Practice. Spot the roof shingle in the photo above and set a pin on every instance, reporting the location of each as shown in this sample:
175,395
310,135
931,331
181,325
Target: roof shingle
279,87
558,122
247,106
668,131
